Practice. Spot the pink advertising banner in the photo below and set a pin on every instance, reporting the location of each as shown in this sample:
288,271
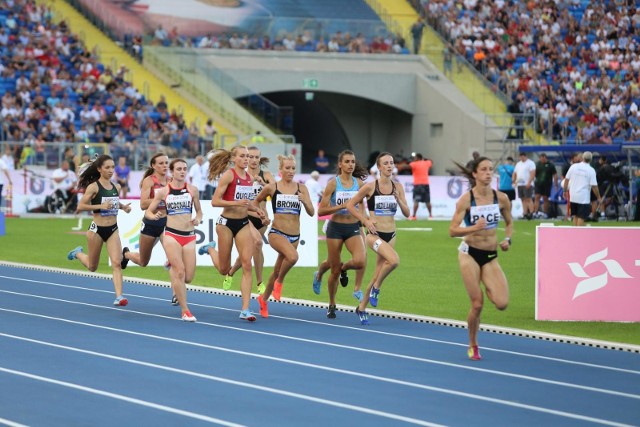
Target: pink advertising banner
588,274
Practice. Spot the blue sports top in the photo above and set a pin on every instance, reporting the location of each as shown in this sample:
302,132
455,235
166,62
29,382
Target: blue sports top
342,195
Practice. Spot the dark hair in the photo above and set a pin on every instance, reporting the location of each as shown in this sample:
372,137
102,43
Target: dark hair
418,156
359,171
474,168
174,161
90,172
381,155
152,161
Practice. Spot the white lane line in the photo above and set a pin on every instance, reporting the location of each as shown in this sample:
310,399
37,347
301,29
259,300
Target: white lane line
329,344
122,397
10,423
215,378
324,343
361,330
329,402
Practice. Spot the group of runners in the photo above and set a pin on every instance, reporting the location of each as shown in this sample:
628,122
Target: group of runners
360,214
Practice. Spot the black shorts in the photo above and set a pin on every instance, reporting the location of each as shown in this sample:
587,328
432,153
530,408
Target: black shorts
421,193
341,231
544,188
480,256
511,194
387,237
233,224
153,227
581,210
257,222
103,232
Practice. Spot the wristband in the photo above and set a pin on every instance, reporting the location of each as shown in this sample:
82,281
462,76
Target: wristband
508,239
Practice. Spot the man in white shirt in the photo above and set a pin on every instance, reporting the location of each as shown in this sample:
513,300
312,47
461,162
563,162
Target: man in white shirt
524,174
4,170
314,187
579,182
64,180
198,175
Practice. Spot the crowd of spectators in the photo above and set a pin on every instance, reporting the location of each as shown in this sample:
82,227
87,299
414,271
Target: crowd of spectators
305,41
55,91
575,64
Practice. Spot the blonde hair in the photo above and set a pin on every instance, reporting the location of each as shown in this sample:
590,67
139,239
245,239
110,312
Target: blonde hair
219,161
282,158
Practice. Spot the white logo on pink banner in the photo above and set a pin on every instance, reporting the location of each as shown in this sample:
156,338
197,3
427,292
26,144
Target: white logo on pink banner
588,273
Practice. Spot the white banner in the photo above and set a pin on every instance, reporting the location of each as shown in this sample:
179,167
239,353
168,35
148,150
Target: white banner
129,227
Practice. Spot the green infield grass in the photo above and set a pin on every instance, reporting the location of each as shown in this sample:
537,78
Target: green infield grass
427,282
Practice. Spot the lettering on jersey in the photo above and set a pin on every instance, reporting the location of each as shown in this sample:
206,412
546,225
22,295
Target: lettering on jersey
342,198
179,203
244,192
114,202
287,204
489,212
385,205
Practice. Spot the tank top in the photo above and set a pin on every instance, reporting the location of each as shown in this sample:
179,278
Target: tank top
104,195
490,212
382,204
286,203
152,192
179,200
239,188
342,195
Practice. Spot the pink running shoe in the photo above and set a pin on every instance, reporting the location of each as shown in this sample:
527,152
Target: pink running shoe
474,353
277,290
264,310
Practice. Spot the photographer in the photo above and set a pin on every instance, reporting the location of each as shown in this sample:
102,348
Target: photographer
64,181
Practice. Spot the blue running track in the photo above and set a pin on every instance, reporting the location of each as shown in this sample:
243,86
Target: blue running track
69,358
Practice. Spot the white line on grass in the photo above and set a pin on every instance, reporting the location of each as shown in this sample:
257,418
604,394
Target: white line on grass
324,401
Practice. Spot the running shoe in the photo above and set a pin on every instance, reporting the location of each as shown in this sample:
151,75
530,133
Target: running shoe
363,316
188,317
373,296
317,283
344,279
227,282
277,290
357,295
174,300
124,262
261,288
204,249
331,313
412,218
474,353
74,253
167,265
121,301
264,310
247,315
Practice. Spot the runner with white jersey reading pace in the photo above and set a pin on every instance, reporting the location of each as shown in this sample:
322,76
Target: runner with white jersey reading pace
178,199
287,200
480,209
233,195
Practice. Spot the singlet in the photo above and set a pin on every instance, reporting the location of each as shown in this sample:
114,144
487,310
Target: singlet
286,203
490,212
342,195
105,195
152,192
257,187
179,200
383,204
239,188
